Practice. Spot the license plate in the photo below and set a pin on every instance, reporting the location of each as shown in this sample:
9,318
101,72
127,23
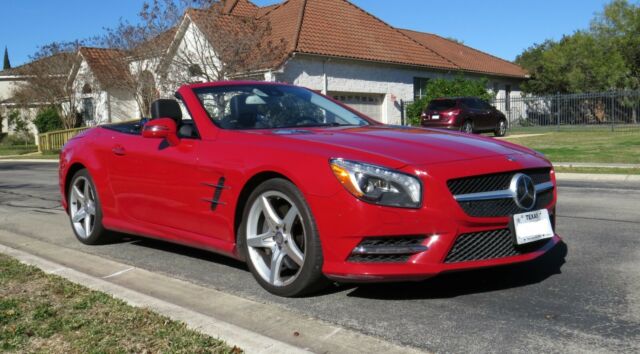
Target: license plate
435,116
532,226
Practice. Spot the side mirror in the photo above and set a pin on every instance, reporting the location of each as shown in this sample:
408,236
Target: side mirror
162,128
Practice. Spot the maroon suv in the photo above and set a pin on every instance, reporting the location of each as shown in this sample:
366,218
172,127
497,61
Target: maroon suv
467,114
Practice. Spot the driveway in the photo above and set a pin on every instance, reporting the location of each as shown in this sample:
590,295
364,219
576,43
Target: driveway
582,296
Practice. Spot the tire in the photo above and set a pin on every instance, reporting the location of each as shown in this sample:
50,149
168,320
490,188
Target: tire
467,127
82,186
501,128
288,240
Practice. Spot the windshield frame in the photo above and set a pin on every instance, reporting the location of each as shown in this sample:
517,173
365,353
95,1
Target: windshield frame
199,90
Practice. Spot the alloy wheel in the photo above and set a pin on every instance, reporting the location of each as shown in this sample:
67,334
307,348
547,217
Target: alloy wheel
502,128
276,238
82,207
467,127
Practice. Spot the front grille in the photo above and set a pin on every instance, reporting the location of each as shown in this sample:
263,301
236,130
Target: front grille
392,241
497,182
494,182
392,249
379,258
502,207
484,245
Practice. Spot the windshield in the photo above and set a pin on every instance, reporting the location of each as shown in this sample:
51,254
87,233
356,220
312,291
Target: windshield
272,107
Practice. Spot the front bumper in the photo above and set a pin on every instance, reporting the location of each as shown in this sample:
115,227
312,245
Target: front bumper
440,221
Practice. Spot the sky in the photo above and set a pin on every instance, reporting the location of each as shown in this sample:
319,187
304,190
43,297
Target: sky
503,28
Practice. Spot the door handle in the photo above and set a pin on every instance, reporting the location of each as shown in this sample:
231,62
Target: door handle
118,150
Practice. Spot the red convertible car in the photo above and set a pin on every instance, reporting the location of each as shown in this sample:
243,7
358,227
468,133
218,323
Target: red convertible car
305,189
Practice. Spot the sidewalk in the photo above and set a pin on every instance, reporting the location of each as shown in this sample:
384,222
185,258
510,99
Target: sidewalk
255,327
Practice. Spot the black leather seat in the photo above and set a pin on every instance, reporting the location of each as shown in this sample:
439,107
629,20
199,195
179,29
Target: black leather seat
245,115
166,108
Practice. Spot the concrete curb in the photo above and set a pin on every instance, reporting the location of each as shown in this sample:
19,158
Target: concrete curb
249,341
253,326
3,159
596,177
596,165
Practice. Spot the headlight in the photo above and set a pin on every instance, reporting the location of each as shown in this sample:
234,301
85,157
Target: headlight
379,185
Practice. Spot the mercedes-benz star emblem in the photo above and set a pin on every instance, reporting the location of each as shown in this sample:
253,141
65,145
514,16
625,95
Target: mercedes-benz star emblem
523,191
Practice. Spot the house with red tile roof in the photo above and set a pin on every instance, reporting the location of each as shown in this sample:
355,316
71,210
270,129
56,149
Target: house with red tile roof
332,46
336,47
99,78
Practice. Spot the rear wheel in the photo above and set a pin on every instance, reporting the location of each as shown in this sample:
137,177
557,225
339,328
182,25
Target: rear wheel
280,241
467,127
501,128
85,213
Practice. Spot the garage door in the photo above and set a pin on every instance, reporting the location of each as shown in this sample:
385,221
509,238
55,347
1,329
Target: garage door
368,104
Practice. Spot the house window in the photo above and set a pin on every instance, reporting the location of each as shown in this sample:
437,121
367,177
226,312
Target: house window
87,109
419,87
86,89
496,88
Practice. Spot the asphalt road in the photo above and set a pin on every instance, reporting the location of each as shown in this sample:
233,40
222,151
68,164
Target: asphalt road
584,296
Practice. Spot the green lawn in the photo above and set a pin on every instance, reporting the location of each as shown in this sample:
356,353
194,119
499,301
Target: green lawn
45,313
17,149
585,146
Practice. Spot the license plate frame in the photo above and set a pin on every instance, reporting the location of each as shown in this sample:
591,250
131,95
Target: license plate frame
531,226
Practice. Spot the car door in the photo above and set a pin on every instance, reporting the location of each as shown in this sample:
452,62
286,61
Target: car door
163,186
471,112
489,115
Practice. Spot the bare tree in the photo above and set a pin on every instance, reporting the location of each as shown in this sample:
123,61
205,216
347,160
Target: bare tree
222,46
145,43
45,81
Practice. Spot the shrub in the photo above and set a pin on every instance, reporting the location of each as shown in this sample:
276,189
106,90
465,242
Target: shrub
48,120
20,126
458,86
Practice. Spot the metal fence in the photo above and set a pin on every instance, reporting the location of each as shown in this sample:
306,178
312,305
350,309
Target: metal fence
615,111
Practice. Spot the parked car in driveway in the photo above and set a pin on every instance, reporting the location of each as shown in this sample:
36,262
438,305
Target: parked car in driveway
466,114
305,189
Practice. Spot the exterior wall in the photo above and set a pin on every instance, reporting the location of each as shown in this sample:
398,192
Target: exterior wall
395,83
192,45
123,105
113,105
7,85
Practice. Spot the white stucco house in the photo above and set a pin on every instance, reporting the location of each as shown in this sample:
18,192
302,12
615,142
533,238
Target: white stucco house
339,49
331,46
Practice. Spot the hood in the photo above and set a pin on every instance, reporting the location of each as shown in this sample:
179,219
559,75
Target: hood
407,146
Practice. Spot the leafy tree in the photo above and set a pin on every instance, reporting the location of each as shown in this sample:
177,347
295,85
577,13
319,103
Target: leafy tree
458,86
7,63
619,25
577,63
48,120
604,57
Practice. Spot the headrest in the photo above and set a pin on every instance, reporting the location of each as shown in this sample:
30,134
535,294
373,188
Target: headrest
245,114
166,108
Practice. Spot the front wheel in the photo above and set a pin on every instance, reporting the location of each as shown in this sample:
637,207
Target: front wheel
501,128
280,240
85,212
467,127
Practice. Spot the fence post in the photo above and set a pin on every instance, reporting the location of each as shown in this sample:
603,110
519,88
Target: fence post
558,109
402,117
613,112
